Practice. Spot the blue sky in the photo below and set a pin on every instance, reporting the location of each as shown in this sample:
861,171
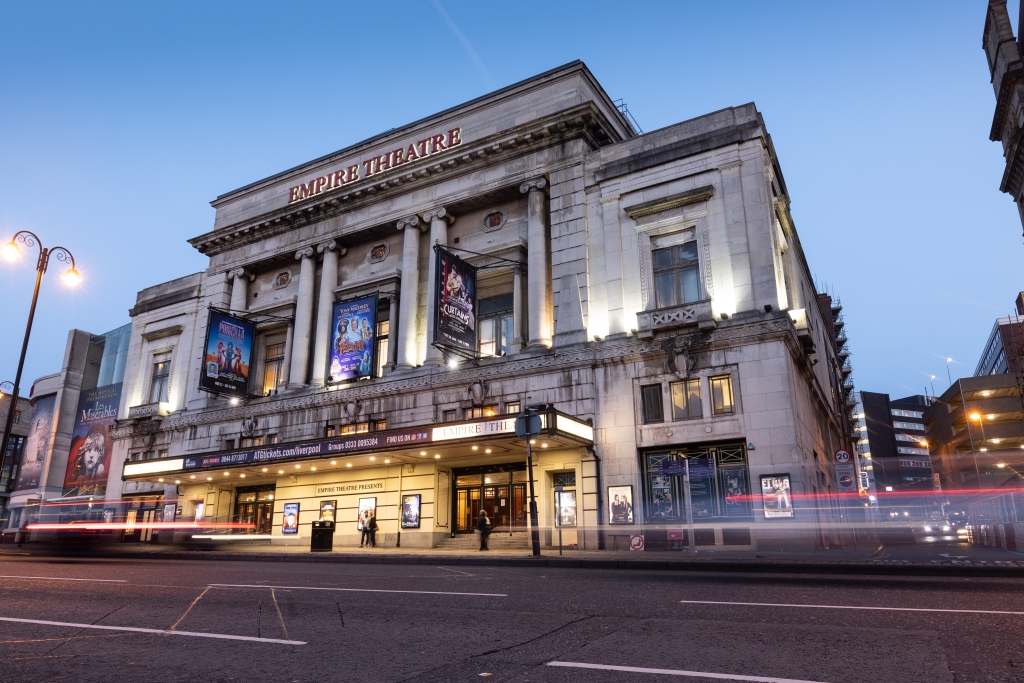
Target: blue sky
119,122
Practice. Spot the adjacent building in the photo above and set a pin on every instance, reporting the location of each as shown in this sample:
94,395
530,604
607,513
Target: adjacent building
1006,68
20,428
1005,345
370,323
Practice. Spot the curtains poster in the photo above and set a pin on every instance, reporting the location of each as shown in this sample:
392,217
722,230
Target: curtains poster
91,446
411,511
33,457
353,331
454,315
229,342
327,508
775,490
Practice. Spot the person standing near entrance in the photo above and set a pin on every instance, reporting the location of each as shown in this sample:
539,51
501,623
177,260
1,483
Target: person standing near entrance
371,530
484,525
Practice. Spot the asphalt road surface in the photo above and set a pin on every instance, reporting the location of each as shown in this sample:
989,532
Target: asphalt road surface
158,620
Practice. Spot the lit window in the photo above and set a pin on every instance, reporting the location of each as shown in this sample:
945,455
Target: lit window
159,384
906,413
271,438
511,407
250,442
909,425
676,275
273,368
486,411
495,324
686,403
382,345
721,395
650,398
360,428
380,425
330,431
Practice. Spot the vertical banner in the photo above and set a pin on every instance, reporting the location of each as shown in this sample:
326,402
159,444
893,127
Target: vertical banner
229,343
353,336
455,308
91,446
33,456
776,493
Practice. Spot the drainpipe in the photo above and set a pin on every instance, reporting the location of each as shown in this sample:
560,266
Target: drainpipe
600,506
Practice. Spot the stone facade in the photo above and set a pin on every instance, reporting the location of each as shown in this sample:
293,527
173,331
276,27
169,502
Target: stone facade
546,184
1003,53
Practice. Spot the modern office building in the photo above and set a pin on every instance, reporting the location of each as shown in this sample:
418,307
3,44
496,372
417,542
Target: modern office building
1004,348
1006,69
371,322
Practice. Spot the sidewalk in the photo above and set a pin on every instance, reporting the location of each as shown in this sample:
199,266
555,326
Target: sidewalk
905,560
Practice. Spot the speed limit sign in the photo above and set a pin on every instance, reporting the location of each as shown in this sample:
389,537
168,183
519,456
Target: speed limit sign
636,542
842,457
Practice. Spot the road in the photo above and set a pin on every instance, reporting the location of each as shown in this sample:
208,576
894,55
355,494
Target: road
182,620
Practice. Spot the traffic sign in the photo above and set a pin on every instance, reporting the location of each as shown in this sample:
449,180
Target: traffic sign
842,456
636,542
528,425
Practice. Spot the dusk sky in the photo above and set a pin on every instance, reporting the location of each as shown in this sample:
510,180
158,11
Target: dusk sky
120,122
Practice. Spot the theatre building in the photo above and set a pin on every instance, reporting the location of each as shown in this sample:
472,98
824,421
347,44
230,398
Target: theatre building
370,323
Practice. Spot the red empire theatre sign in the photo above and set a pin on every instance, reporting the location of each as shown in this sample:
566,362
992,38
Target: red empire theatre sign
367,168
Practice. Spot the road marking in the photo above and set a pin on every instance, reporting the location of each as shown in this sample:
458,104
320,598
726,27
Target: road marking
61,578
886,609
680,672
157,631
353,590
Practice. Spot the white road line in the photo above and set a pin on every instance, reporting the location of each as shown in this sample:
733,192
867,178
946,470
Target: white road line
60,578
157,631
886,609
353,590
679,672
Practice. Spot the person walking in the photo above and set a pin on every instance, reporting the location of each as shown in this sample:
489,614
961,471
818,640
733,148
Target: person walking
371,528
484,526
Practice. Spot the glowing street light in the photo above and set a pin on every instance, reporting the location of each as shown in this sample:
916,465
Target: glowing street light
12,251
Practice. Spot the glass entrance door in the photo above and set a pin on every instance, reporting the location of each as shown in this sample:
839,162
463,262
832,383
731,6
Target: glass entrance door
505,502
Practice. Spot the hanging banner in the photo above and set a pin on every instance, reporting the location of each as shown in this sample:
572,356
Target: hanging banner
353,327
91,446
37,443
455,309
229,343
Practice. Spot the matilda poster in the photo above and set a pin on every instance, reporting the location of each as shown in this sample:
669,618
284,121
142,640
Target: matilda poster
352,339
37,443
228,353
89,458
455,314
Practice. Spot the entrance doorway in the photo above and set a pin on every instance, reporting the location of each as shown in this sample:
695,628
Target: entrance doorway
500,490
255,509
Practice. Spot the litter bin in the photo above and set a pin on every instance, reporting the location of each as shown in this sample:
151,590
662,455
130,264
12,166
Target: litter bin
322,539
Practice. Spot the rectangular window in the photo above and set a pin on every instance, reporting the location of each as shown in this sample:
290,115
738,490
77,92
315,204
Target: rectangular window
564,478
159,384
912,451
380,425
495,325
251,442
906,413
17,416
330,431
449,415
382,346
906,437
676,275
161,454
229,444
273,368
476,413
721,395
360,428
650,399
909,425
271,438
686,403
511,407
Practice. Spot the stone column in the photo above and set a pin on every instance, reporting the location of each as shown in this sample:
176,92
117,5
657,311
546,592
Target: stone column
303,320
389,366
517,309
538,270
439,220
406,347
240,279
325,309
288,354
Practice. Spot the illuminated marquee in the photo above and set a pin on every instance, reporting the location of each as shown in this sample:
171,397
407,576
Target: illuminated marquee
367,168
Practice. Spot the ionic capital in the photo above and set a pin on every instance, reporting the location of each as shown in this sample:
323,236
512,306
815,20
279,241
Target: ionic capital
331,246
305,252
534,184
412,221
239,273
438,213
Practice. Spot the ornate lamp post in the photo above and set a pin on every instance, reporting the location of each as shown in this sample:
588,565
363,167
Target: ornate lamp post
12,252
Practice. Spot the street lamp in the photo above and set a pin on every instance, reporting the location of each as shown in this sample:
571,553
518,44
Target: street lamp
12,251
949,376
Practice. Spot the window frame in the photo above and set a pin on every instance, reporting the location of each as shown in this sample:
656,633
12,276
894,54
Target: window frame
700,399
164,378
731,410
652,390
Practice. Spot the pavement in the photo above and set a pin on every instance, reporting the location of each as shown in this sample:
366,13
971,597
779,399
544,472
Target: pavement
157,619
926,557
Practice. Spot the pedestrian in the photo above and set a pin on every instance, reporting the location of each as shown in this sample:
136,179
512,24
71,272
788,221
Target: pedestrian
371,527
364,531
484,525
